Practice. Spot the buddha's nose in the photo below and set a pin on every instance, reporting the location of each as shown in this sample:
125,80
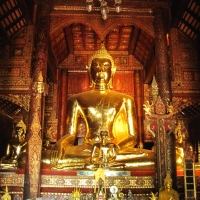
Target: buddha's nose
101,68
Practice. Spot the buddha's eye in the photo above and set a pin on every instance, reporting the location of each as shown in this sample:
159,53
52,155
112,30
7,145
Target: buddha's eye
106,65
96,65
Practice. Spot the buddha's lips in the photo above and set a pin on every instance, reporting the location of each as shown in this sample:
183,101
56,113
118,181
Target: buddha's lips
101,75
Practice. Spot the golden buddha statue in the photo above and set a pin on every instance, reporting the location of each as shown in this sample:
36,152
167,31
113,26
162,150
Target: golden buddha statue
168,193
99,110
16,149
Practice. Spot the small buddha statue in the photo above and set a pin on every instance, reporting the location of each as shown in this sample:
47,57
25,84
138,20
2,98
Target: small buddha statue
168,193
16,149
114,192
179,144
99,110
130,195
6,196
103,153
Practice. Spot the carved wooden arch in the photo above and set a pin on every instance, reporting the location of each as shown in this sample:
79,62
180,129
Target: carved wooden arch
129,22
185,103
20,100
102,29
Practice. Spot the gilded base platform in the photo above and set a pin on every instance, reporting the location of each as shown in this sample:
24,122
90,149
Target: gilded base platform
60,184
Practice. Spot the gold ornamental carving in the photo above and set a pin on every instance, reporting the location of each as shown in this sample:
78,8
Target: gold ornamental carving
35,144
40,86
22,100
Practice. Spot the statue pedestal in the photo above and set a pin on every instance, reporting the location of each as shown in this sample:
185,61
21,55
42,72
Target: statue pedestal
60,184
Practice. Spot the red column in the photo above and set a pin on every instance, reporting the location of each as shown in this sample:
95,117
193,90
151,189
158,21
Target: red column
63,96
162,61
139,104
39,90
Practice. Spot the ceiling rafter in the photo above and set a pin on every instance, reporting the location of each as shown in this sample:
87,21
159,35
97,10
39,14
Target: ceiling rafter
189,26
120,37
83,35
178,10
4,36
133,40
26,11
69,38
12,24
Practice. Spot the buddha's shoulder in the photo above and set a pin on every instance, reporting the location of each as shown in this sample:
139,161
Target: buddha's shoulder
96,93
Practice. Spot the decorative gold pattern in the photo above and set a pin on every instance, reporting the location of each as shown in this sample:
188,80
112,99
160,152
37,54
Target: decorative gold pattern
40,86
59,181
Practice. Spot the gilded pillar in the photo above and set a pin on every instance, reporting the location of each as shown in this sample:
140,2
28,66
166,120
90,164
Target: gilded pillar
36,113
139,104
162,60
161,125
63,96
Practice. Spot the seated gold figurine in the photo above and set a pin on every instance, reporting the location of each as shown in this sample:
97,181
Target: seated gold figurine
97,110
103,153
168,193
16,149
100,183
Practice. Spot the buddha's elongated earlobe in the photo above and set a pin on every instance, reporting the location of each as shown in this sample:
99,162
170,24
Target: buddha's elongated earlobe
91,84
111,83
111,79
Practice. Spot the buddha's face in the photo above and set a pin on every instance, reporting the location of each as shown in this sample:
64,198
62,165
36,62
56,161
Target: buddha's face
168,185
20,134
101,70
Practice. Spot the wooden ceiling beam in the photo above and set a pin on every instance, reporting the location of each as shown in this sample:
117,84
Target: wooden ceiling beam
14,22
26,11
133,41
178,11
190,26
119,38
52,65
150,72
150,65
95,41
83,35
69,39
4,36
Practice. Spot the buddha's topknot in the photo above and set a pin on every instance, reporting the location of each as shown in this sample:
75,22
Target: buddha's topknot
101,53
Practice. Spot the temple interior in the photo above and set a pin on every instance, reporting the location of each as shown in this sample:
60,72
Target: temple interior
46,48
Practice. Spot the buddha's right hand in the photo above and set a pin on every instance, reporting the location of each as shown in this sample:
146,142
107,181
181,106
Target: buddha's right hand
54,157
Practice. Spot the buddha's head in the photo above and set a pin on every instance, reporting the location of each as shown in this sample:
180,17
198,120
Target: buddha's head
101,69
168,182
20,129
